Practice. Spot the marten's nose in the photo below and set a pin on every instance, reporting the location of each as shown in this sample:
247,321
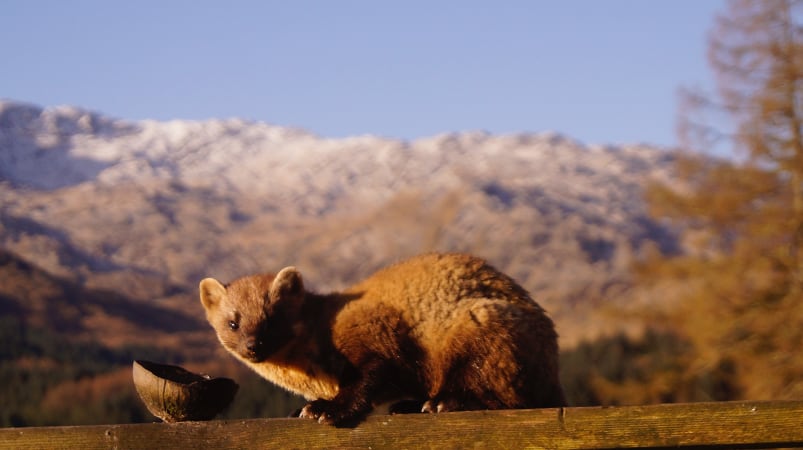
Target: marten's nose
251,345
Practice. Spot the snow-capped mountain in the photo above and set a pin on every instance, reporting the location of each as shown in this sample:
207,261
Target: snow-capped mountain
60,147
121,204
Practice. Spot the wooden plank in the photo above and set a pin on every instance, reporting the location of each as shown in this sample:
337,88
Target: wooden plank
695,425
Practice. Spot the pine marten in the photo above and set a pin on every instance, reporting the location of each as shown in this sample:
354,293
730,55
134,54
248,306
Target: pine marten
447,331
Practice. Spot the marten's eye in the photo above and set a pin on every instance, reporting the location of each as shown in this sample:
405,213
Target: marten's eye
233,325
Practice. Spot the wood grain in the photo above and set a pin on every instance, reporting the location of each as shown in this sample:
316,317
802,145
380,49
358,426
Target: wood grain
694,425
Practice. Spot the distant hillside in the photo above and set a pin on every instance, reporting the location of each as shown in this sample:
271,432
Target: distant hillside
38,300
147,209
66,351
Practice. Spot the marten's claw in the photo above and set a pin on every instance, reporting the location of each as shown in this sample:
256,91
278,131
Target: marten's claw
433,406
322,411
310,412
333,413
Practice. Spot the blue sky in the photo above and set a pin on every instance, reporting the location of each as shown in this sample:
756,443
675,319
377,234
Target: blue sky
600,71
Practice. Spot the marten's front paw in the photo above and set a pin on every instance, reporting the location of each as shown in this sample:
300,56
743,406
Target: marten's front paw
330,413
319,410
435,406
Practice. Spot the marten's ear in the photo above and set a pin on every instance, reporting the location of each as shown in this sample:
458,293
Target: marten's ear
286,284
212,293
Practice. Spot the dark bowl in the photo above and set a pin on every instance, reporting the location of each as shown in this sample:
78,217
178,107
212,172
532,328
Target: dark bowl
175,394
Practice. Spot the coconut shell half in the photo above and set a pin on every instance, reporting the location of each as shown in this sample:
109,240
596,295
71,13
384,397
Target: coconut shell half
175,394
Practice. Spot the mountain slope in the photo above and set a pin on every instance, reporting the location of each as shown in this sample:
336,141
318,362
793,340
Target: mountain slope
36,299
149,208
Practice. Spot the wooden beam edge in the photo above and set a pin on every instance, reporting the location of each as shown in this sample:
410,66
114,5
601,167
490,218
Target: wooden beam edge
701,425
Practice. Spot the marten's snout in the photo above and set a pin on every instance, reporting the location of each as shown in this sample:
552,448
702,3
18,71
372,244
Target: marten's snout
254,349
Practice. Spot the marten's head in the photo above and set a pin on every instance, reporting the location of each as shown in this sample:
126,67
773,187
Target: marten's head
257,315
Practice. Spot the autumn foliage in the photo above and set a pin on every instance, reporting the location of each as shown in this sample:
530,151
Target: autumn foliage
738,284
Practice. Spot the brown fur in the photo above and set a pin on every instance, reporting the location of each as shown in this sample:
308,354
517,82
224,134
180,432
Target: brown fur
446,330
